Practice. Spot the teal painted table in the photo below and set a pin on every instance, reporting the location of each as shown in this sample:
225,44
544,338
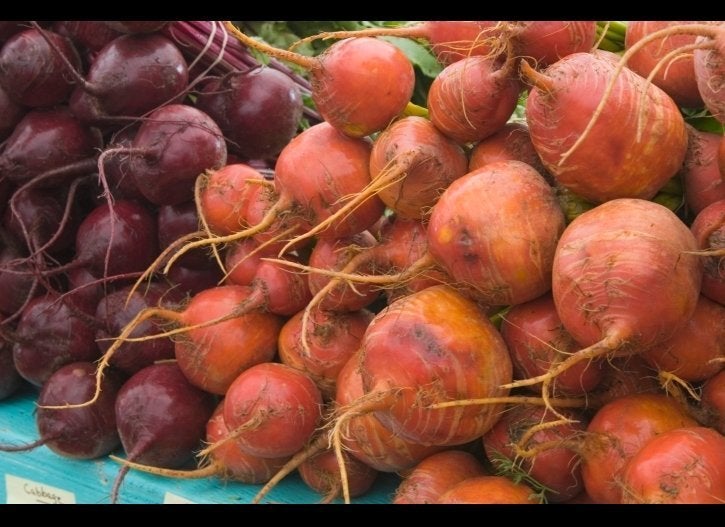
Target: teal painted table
41,476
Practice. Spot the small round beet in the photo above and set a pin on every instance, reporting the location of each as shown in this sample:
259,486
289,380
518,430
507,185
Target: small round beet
32,72
117,240
172,148
131,75
50,334
161,418
79,433
258,110
43,140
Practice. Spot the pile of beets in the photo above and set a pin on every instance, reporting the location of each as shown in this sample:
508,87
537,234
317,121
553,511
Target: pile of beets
203,276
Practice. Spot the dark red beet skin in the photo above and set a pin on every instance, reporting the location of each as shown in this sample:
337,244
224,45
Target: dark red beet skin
32,72
136,26
117,309
49,335
131,75
191,282
80,433
8,28
10,379
15,288
162,418
117,241
43,140
258,110
40,213
175,145
115,167
174,221
10,114
89,34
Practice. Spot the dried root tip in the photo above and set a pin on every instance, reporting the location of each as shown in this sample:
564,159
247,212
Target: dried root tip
200,473
24,448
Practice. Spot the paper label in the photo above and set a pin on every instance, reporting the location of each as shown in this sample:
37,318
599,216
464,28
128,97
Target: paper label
20,490
173,498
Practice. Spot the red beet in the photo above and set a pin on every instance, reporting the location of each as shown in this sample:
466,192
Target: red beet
52,333
131,75
258,111
175,145
31,71
79,433
161,418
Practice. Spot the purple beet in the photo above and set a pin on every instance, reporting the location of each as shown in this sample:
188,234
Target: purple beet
116,169
161,418
32,71
50,334
17,283
88,432
117,240
43,218
136,26
10,379
46,139
88,34
176,221
10,114
130,76
171,149
117,309
6,189
84,287
191,282
259,110
10,28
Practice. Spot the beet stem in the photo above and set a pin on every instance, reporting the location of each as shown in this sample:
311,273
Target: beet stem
308,63
536,78
415,31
